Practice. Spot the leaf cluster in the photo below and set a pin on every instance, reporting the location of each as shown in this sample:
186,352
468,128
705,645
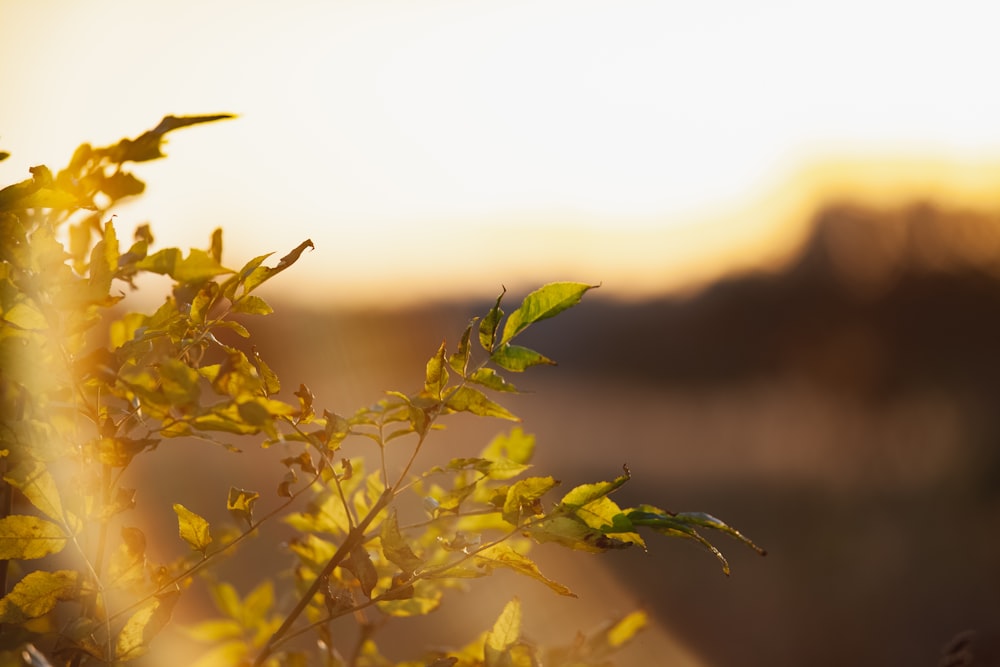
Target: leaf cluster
87,388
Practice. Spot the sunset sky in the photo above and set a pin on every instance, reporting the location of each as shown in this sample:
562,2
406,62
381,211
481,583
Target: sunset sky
443,148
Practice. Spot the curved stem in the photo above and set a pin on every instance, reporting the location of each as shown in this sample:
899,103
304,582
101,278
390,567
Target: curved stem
355,538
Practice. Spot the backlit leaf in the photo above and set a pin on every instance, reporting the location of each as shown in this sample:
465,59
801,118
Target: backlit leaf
128,564
573,532
489,325
227,654
588,493
25,315
425,598
625,629
709,521
395,547
197,267
503,636
467,399
436,376
516,358
359,563
489,378
545,302
240,504
502,555
683,525
36,484
523,498
37,594
252,305
516,445
459,361
144,625
193,528
25,537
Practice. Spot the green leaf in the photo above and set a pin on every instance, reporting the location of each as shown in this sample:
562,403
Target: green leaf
395,547
573,532
489,325
467,399
37,594
683,525
709,521
193,528
24,537
502,555
144,625
545,302
240,504
516,358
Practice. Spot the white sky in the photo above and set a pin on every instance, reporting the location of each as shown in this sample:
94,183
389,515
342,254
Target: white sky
443,147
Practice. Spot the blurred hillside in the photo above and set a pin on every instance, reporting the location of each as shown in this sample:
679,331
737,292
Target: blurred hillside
841,411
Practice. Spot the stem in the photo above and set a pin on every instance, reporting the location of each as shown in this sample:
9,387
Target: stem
207,559
355,538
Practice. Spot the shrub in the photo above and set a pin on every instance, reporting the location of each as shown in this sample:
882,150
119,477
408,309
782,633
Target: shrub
87,388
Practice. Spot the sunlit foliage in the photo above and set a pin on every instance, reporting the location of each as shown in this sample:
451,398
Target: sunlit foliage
87,388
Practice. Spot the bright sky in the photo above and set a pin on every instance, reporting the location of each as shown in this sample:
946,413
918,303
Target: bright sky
439,147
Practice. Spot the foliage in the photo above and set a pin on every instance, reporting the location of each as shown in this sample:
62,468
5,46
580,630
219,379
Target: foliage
87,388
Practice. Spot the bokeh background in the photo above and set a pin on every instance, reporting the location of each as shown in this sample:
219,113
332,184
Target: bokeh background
791,208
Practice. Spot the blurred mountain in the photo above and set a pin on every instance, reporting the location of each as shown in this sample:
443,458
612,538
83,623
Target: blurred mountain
875,303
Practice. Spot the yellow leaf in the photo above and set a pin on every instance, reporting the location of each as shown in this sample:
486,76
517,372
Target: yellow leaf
193,528
505,633
36,595
24,537
143,625
623,631
36,484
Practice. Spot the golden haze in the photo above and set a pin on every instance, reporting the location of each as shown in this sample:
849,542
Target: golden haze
642,257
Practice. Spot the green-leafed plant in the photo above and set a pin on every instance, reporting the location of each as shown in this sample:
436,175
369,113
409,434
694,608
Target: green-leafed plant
87,388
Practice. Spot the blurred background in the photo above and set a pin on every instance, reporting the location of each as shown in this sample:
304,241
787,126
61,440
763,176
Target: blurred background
792,211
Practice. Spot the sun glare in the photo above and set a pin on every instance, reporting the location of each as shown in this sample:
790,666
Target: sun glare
442,148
